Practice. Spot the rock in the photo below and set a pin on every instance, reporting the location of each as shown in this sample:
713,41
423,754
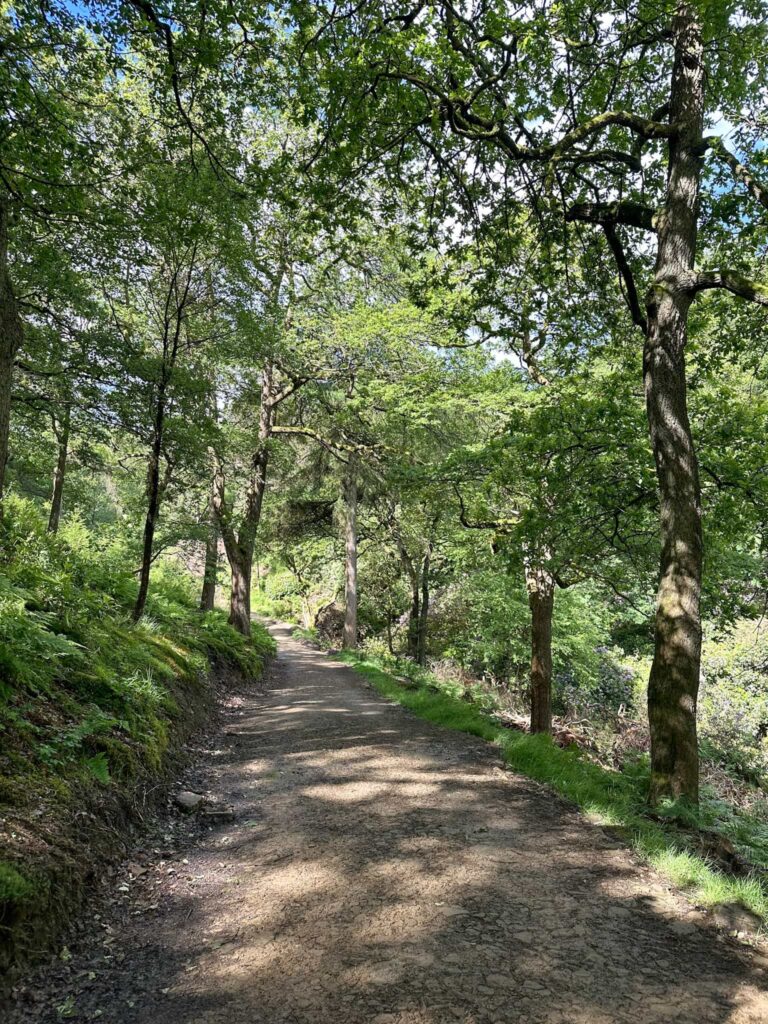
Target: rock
721,850
733,918
683,927
329,623
188,801
217,814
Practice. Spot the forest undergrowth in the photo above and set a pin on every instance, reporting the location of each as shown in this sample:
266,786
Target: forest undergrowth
94,708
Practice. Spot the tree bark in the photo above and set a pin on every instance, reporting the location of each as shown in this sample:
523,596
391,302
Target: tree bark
421,645
177,298
541,599
414,617
674,679
239,545
208,593
240,596
153,504
350,566
11,336
61,429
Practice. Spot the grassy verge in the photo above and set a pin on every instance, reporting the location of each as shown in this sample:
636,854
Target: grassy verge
610,798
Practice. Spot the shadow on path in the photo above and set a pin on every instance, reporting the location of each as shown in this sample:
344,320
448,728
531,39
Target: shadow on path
381,869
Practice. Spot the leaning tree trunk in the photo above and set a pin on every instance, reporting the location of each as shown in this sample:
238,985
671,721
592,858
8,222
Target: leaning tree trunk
239,546
10,342
541,599
57,495
674,679
350,566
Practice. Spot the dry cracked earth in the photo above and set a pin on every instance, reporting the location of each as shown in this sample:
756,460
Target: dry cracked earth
384,870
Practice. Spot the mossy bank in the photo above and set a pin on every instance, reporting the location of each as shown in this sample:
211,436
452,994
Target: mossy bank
94,713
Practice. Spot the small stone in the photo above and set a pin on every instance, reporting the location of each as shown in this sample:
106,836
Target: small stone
452,909
188,801
218,814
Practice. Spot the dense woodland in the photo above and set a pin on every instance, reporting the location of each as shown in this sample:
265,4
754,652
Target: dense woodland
436,328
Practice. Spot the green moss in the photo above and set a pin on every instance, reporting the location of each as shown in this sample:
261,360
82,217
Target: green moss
14,887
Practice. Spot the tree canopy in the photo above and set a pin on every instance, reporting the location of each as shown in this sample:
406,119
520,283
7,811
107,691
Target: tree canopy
442,318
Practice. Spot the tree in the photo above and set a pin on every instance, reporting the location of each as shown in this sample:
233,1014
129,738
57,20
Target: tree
350,554
440,86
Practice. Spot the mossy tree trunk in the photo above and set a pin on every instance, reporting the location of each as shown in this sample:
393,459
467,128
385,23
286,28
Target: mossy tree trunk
11,336
674,679
239,543
210,571
153,501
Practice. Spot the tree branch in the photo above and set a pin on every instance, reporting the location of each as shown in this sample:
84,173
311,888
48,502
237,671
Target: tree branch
634,215
734,282
753,185
625,271
499,524
165,33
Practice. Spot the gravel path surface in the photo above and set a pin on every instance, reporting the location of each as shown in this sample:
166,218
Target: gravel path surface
386,871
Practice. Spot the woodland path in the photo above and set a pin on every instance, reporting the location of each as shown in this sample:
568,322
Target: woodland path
382,870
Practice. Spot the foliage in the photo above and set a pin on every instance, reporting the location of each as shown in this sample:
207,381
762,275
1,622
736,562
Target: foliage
734,699
84,689
255,253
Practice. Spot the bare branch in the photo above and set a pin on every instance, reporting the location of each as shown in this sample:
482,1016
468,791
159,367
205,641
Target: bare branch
628,278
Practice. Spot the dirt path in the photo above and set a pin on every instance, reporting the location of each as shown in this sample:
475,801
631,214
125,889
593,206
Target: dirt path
385,871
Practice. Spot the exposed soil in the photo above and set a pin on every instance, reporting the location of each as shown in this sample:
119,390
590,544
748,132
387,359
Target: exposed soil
384,870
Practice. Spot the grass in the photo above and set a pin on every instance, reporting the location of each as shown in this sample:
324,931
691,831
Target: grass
612,799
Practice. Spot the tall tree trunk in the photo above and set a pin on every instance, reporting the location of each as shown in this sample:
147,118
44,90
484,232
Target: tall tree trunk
350,565
421,645
11,335
239,546
240,596
541,599
674,679
208,593
211,568
153,504
414,617
61,429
